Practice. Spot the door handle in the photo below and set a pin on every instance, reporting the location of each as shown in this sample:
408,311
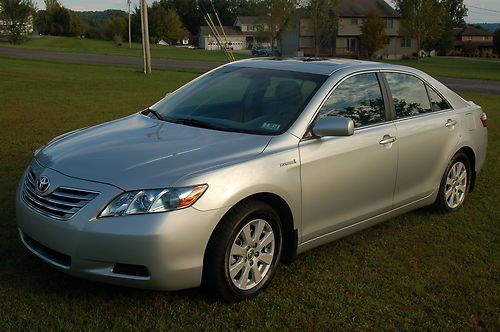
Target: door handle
387,139
450,123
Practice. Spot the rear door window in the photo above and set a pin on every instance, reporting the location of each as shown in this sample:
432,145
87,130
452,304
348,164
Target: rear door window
409,95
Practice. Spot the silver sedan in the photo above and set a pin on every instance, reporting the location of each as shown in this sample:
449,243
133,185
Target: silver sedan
246,166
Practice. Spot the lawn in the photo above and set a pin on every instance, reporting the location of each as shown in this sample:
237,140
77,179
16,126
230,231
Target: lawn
93,46
420,271
474,68
486,69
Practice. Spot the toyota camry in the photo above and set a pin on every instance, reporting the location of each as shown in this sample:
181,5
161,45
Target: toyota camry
245,167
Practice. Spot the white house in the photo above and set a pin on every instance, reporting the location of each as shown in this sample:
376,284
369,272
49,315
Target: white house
235,39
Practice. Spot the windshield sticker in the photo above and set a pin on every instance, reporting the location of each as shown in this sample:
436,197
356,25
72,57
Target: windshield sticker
270,126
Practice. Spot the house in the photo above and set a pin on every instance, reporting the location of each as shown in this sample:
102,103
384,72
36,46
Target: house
246,32
235,39
351,13
472,41
254,28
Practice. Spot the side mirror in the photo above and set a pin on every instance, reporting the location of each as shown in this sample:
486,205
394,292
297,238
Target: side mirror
333,126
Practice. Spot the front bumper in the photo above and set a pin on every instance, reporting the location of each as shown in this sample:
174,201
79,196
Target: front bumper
169,246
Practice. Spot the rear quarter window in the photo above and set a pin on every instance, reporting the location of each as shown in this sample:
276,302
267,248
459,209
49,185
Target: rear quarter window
437,102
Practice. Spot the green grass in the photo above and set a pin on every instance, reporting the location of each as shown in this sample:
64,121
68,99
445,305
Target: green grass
420,271
486,69
473,68
93,46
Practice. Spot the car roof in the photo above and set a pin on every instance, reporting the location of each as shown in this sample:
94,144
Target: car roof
346,66
320,66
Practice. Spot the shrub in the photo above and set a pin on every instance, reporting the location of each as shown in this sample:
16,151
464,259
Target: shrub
118,39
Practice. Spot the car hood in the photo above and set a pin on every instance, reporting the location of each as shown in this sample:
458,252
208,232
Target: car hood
139,152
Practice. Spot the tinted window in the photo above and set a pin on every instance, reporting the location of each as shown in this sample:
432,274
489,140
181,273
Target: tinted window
359,98
250,100
437,103
409,95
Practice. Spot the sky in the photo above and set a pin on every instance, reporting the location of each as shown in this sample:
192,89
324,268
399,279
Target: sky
480,11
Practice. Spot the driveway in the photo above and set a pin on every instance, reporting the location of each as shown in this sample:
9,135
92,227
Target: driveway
456,84
468,85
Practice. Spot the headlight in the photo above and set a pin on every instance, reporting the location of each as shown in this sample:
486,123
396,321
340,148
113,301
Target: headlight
151,201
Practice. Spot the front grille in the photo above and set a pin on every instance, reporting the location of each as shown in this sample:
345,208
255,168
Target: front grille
60,204
46,252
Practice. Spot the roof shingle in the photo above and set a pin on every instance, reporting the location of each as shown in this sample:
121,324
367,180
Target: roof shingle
471,31
229,30
361,8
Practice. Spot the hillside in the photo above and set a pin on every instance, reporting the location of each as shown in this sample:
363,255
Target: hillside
95,18
489,26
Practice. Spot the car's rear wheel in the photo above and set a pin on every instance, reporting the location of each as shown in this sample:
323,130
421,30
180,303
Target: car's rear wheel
243,253
454,184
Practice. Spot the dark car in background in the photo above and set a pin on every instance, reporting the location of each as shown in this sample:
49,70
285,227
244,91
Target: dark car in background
259,50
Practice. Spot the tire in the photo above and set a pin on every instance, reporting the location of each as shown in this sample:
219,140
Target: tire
454,185
239,264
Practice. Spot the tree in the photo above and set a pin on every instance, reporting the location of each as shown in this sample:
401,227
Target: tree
173,27
191,12
496,40
165,23
116,29
454,13
324,22
279,15
58,21
432,23
372,33
16,18
422,20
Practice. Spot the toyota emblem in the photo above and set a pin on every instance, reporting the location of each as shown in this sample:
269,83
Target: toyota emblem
43,184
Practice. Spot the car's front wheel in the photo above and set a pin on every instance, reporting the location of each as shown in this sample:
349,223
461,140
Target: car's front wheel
243,253
454,184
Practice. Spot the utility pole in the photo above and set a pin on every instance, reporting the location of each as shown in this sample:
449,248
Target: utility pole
129,28
145,37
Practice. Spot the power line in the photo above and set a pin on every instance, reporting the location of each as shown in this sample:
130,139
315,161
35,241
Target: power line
482,8
488,14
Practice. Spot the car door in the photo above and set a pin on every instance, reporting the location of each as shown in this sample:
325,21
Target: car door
428,132
348,179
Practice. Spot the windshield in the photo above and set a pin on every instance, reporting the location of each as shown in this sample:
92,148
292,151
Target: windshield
241,99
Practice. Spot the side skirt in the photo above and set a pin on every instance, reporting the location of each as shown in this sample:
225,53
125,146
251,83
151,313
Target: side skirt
356,227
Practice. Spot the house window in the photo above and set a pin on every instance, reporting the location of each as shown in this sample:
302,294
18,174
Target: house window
469,37
387,40
352,44
389,23
405,42
354,20
250,27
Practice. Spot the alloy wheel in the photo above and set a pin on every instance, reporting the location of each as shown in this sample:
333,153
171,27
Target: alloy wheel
456,185
251,254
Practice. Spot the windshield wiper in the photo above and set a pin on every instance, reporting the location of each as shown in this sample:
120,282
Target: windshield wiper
197,123
155,113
